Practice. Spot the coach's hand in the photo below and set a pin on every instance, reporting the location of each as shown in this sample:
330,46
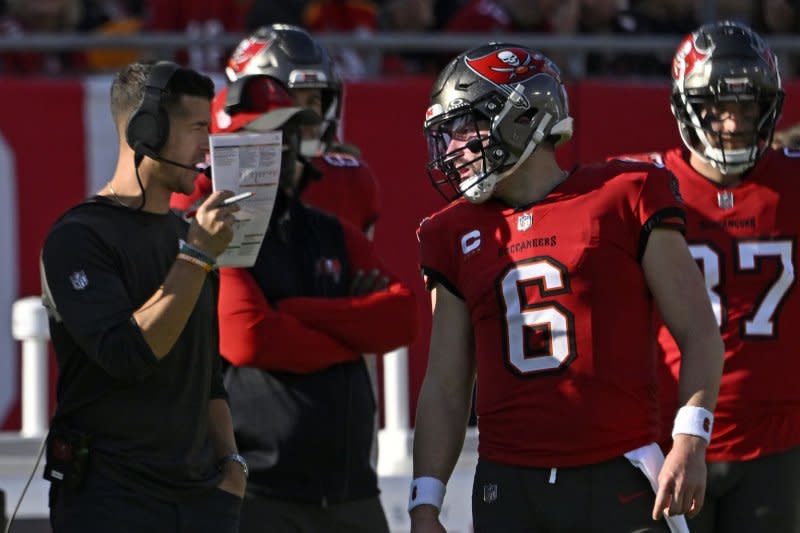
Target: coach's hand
682,480
211,229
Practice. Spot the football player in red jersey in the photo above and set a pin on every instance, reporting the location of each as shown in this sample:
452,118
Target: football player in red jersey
742,223
546,284
294,327
339,182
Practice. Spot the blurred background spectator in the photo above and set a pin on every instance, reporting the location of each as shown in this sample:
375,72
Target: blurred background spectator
359,17
46,16
207,19
409,16
200,19
268,12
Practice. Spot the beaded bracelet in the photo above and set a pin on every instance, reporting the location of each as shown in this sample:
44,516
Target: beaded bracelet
195,261
186,248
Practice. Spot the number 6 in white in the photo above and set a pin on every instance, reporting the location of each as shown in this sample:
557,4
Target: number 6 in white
548,317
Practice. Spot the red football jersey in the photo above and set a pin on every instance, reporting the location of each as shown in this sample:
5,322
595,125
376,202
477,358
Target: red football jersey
347,189
565,341
745,241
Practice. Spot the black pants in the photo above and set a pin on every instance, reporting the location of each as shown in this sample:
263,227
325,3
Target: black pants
271,515
104,506
609,497
757,496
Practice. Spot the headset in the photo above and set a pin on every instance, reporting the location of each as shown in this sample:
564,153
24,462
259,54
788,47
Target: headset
148,125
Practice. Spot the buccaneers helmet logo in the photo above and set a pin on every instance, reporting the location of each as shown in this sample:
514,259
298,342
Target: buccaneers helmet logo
689,57
511,65
245,51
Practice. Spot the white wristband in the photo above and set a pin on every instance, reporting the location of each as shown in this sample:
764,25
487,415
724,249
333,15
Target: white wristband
426,491
693,420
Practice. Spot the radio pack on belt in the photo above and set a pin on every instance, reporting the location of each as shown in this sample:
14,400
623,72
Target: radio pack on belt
67,457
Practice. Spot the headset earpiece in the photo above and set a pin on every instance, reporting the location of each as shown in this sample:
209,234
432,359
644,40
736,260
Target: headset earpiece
148,125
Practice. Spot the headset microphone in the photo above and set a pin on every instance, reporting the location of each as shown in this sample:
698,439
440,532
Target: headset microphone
142,150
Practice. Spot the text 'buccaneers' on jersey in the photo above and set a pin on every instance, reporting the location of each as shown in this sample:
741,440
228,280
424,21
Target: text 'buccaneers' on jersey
548,288
545,286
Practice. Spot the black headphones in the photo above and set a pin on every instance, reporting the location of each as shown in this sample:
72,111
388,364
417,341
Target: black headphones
148,125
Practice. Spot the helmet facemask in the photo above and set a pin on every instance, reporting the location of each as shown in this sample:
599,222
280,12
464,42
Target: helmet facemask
465,170
719,67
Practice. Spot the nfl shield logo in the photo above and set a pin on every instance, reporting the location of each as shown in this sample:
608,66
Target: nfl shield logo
79,280
725,199
489,493
524,222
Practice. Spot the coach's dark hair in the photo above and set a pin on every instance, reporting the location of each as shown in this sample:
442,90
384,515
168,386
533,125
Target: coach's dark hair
128,88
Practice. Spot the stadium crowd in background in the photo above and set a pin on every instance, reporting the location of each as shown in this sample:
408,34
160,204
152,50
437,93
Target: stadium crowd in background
365,17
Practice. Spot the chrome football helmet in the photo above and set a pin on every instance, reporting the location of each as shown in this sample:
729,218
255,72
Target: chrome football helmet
490,108
723,63
289,54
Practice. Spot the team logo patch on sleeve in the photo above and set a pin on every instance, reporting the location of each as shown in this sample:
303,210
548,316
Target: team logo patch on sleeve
79,280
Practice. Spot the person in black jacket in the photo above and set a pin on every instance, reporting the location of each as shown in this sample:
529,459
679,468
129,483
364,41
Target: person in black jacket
142,438
294,327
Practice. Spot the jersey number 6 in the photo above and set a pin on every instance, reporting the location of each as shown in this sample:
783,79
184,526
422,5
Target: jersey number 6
548,322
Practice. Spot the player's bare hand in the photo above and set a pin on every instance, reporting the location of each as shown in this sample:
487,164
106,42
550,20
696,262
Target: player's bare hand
682,480
425,519
367,282
212,226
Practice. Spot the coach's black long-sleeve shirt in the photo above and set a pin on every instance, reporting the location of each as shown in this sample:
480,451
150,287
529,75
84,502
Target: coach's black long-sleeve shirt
148,418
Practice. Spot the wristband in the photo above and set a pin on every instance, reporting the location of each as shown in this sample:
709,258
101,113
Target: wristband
236,458
426,491
186,248
694,420
195,261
